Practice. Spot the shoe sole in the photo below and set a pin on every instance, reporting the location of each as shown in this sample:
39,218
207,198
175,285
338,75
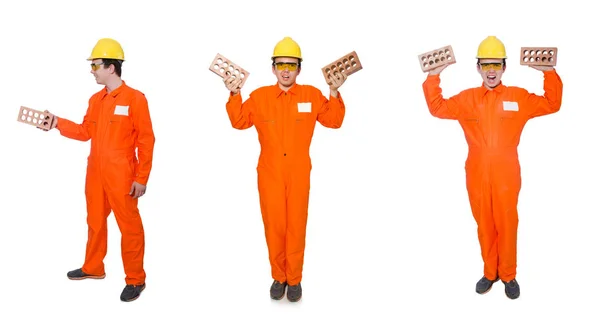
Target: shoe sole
87,277
132,299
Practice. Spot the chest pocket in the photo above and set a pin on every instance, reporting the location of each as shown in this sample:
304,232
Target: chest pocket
508,110
304,111
120,122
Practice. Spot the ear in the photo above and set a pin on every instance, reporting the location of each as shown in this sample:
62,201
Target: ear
273,69
299,69
111,68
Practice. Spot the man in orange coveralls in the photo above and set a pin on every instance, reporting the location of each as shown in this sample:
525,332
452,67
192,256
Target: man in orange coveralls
285,115
492,117
117,121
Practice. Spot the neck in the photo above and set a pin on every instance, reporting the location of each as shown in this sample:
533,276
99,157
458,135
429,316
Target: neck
490,87
285,88
113,84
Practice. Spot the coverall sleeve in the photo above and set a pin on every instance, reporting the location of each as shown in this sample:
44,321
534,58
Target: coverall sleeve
552,99
331,112
72,130
240,114
438,106
142,125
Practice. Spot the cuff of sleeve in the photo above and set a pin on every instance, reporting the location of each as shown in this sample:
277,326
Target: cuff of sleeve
141,180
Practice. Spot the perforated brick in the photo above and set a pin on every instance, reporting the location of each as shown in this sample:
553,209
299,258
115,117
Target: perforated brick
436,58
348,64
538,56
224,68
36,118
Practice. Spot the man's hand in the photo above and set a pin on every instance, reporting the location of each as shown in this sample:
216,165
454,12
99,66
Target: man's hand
53,119
438,70
232,84
137,190
543,68
336,82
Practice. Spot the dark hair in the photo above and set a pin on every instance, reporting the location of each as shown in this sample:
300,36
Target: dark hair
116,62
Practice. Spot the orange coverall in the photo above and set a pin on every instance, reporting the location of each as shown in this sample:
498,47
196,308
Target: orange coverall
285,122
117,123
492,121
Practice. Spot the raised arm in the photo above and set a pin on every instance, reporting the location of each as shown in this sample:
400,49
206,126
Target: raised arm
332,110
438,106
240,114
552,99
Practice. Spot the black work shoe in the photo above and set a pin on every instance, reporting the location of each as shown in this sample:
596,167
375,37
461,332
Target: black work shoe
512,289
277,290
79,274
294,292
132,292
484,285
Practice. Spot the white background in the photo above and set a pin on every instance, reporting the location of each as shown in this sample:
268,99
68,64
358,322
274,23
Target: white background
391,244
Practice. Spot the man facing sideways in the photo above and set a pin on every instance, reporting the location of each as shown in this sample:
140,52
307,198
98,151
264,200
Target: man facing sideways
118,122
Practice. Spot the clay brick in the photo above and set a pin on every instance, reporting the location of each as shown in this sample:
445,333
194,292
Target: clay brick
224,68
436,58
538,56
36,118
348,64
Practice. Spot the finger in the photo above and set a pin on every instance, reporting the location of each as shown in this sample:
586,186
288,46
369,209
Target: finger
334,79
132,189
338,80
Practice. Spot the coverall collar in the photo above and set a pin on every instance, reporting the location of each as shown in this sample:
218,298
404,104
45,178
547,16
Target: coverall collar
279,91
499,89
116,91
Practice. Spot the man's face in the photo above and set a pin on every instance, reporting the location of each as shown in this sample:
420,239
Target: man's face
491,70
99,71
286,70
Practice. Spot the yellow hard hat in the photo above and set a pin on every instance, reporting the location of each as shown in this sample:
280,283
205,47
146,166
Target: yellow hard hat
287,47
107,48
491,47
